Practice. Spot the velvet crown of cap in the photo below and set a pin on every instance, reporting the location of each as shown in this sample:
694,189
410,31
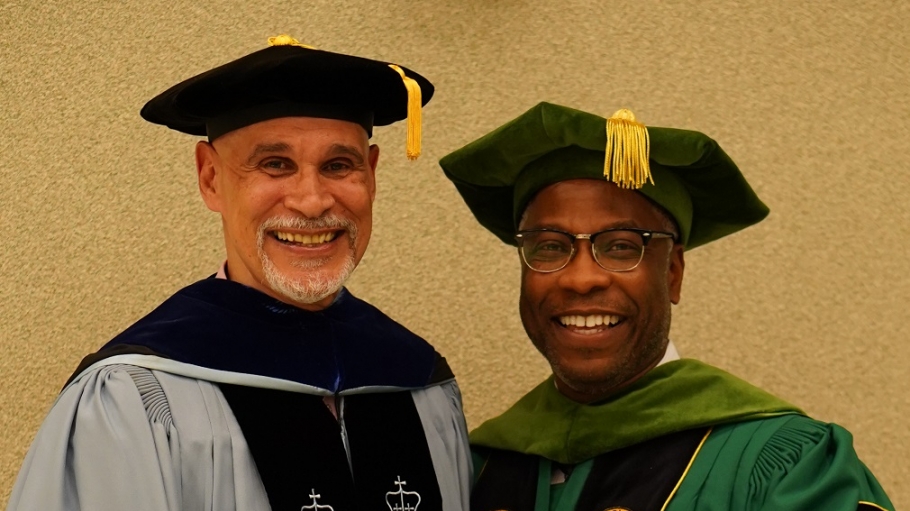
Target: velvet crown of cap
695,181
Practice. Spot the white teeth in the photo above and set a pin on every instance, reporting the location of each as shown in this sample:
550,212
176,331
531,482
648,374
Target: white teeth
590,321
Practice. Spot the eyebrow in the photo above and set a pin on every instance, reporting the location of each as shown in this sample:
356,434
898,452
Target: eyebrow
281,147
276,147
348,150
619,224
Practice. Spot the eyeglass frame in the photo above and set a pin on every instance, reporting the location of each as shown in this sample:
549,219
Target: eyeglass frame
646,236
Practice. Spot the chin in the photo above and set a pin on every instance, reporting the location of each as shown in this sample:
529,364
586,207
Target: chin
308,282
589,381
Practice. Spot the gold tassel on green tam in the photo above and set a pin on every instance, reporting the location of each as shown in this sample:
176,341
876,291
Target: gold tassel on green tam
627,151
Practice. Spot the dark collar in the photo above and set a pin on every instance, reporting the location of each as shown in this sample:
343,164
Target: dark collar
223,325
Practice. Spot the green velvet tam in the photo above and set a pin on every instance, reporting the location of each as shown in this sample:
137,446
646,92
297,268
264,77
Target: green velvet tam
694,179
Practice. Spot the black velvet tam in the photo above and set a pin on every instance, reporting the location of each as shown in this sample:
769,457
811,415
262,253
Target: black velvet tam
285,81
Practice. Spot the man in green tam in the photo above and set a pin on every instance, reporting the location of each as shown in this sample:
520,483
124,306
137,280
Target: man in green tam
602,212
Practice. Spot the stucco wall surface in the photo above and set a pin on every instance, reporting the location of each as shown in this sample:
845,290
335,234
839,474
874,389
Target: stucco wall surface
101,220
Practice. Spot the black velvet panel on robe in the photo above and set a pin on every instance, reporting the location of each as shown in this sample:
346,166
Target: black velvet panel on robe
298,449
296,444
389,453
639,477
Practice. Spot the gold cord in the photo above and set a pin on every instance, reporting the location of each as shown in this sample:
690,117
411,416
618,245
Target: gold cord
627,152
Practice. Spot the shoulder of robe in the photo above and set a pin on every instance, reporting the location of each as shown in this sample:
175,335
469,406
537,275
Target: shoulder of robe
793,462
111,385
108,378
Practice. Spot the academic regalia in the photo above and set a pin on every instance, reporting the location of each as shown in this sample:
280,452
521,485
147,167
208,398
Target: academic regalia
224,398
686,436
215,400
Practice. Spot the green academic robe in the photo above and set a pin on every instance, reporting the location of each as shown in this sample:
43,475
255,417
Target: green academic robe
687,436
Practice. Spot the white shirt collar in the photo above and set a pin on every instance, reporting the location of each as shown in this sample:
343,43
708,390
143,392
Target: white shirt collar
671,354
222,271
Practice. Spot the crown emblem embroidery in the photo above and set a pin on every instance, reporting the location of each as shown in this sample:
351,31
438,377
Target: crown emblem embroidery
315,506
401,500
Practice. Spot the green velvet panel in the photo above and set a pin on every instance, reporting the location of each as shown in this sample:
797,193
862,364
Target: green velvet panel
676,396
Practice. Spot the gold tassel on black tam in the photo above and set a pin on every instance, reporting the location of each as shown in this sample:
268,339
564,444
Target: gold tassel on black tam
415,104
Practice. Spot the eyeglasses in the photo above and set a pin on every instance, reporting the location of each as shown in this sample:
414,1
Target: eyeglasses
549,250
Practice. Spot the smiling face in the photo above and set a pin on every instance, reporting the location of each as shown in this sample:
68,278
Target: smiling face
599,330
295,196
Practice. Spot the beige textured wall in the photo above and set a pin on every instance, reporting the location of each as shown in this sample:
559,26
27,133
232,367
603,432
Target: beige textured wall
100,219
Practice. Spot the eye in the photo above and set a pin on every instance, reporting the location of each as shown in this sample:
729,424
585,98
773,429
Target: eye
277,166
546,247
551,246
339,167
619,248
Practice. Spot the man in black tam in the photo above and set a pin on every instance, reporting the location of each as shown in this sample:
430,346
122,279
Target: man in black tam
267,385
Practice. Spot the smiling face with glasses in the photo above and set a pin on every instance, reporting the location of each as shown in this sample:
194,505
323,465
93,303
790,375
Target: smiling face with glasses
601,269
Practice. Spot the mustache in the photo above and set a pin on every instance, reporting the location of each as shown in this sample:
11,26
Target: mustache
323,222
599,299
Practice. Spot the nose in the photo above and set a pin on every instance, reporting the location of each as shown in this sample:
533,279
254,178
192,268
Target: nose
309,194
583,275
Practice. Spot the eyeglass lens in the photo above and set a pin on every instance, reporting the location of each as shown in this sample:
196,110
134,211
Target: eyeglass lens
617,250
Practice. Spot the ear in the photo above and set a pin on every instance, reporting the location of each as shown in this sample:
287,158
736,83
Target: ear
207,174
373,159
675,272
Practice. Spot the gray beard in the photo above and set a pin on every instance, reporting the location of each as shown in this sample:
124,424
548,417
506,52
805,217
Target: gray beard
313,287
318,283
